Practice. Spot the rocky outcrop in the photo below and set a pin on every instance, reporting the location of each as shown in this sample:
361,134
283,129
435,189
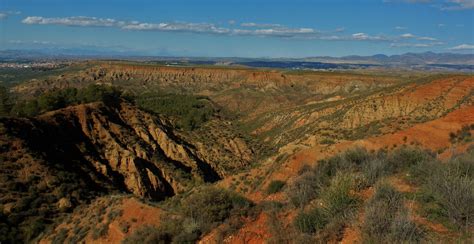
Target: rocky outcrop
131,149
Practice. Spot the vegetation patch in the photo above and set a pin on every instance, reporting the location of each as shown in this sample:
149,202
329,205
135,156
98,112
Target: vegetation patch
194,215
191,111
447,189
275,186
386,218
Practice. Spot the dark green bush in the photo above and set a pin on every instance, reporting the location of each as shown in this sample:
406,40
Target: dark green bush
275,186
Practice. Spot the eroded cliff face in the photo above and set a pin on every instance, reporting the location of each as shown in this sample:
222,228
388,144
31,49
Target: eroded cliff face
206,80
132,150
382,111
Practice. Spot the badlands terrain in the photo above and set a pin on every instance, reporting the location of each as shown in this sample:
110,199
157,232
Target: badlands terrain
134,152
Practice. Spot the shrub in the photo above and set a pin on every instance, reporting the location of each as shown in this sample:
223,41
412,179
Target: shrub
386,219
337,200
5,101
311,221
304,189
337,204
374,169
327,141
210,206
455,197
309,184
406,157
448,188
275,186
403,230
357,155
148,235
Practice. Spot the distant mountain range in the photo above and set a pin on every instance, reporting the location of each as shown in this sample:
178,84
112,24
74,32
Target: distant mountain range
423,61
403,59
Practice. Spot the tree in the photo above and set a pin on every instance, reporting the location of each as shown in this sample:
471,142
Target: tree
5,101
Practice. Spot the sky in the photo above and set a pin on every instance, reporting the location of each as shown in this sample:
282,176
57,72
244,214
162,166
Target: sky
239,28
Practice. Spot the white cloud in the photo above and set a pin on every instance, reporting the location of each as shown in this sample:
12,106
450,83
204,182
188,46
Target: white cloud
256,29
415,45
256,25
426,38
441,25
36,42
246,29
365,37
285,31
5,14
400,28
462,47
177,27
360,36
74,21
331,38
407,35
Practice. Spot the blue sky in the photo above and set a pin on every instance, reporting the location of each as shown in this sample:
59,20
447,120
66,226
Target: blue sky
243,28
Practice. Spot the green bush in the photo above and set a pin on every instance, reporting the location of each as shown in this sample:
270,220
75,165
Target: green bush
386,219
310,222
275,186
337,200
337,204
448,188
455,197
406,157
309,184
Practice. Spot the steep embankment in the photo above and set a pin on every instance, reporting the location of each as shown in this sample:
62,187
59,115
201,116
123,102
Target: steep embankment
63,158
